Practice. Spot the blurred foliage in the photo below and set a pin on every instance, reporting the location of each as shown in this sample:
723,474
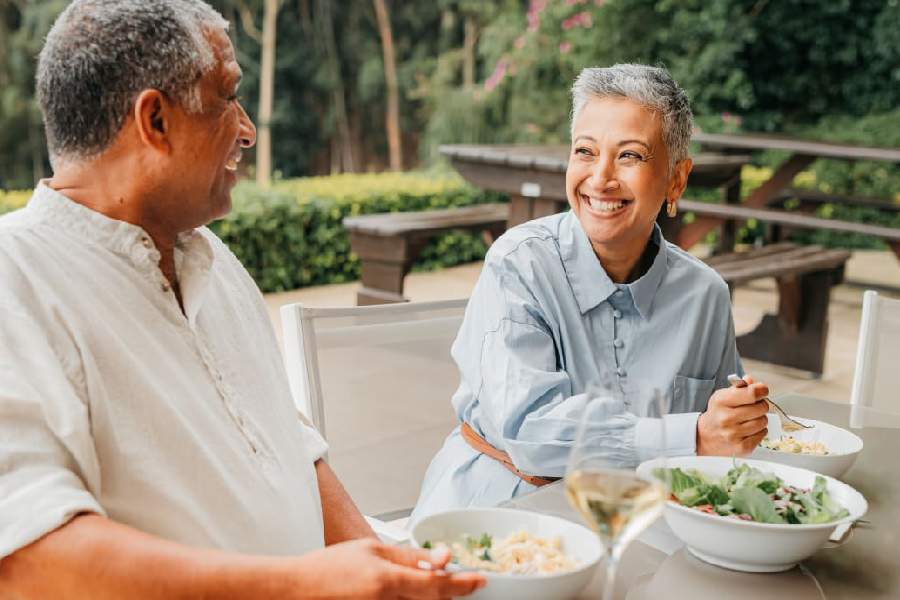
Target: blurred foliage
291,235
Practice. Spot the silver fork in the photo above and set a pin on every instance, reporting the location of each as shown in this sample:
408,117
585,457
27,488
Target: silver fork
788,424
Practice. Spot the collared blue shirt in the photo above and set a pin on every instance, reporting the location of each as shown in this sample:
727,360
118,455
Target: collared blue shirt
544,322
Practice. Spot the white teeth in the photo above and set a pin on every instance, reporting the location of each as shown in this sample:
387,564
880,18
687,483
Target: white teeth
605,206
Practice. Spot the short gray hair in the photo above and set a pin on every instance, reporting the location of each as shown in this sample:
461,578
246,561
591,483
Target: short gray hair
100,54
651,87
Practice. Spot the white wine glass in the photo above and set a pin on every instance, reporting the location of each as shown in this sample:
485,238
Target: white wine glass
600,480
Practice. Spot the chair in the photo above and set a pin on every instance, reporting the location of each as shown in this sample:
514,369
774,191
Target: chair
876,357
386,376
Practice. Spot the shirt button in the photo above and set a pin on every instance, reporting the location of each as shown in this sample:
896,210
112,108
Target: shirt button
617,314
618,343
620,372
165,287
146,242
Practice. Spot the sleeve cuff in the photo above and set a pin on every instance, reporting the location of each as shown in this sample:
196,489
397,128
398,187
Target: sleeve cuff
681,436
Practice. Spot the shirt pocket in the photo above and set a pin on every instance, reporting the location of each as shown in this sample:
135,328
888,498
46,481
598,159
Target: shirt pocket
691,394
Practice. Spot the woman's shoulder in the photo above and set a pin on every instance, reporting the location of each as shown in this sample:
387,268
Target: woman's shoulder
685,265
532,240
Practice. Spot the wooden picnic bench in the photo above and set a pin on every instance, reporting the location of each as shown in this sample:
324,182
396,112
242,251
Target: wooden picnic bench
388,243
802,153
796,336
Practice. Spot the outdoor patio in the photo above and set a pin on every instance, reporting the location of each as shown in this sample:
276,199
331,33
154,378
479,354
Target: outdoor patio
880,270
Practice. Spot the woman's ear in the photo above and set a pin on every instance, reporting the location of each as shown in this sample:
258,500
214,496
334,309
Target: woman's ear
679,179
153,119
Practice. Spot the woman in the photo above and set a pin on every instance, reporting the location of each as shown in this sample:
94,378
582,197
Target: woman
574,298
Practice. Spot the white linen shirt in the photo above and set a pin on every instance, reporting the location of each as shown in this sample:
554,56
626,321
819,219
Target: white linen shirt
115,402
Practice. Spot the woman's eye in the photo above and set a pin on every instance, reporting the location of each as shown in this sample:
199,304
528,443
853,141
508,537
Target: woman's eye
583,151
631,155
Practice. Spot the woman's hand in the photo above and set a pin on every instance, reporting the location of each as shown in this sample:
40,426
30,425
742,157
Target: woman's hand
368,570
734,422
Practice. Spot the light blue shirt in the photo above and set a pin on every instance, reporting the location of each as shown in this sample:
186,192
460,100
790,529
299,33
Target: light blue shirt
544,322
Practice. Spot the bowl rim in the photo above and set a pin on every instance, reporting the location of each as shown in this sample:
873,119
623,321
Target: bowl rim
824,457
767,526
517,576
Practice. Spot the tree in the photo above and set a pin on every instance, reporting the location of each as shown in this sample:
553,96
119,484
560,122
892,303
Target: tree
392,115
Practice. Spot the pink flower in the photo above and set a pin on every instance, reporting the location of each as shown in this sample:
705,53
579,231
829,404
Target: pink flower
497,76
534,14
584,19
599,2
567,24
564,47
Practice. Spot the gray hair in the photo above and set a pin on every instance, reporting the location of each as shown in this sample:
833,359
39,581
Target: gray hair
100,54
651,87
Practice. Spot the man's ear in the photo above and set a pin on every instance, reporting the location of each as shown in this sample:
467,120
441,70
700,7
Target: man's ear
152,117
679,178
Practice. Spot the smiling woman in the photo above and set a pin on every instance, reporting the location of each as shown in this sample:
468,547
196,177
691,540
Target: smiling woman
596,295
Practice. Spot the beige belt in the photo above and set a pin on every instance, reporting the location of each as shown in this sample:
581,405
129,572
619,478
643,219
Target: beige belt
479,444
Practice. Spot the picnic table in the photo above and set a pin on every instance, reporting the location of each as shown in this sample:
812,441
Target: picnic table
867,566
802,153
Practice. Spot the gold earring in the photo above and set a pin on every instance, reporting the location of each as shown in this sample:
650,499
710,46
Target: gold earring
671,208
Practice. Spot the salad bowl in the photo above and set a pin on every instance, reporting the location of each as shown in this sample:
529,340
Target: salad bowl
578,543
843,447
734,542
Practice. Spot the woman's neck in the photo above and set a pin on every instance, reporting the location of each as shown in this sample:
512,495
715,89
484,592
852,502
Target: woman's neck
624,265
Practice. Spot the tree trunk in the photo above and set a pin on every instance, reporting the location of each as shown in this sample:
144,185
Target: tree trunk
344,145
392,115
469,41
266,94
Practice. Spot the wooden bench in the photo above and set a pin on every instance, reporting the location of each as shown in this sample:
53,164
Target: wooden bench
388,243
796,336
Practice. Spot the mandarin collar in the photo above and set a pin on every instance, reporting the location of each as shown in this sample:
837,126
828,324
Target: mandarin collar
120,237
591,284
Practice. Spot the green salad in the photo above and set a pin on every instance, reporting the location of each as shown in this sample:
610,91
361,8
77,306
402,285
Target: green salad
752,495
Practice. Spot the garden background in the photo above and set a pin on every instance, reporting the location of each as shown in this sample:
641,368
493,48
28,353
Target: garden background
353,97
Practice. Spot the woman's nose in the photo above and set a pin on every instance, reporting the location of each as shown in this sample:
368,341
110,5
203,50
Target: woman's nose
603,176
247,133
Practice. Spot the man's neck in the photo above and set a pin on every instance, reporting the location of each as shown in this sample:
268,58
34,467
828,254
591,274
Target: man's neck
114,197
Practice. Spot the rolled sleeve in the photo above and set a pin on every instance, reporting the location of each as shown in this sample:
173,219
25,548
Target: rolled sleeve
680,437
46,449
315,443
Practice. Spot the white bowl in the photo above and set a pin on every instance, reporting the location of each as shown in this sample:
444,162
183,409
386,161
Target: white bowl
843,447
747,545
578,542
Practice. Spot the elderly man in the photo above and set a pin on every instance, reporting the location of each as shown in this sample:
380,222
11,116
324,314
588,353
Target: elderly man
149,447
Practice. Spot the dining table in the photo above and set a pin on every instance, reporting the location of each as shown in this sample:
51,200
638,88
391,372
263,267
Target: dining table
864,565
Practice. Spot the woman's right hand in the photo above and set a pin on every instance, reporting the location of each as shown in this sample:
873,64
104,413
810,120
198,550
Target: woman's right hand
368,570
734,422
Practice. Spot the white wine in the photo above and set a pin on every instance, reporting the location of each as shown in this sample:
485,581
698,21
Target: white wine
618,505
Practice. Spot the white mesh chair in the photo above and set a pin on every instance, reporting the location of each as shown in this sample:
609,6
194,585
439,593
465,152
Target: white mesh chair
877,357
376,381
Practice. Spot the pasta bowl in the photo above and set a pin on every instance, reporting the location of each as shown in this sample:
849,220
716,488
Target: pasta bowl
843,447
752,546
577,543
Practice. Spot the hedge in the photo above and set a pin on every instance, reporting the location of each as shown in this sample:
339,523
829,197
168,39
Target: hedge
292,236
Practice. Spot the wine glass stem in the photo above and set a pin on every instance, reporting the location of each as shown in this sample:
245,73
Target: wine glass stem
609,582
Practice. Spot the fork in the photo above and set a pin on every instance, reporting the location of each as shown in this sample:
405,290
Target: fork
788,424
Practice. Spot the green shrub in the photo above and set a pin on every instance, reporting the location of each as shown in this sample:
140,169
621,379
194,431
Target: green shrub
291,236
13,199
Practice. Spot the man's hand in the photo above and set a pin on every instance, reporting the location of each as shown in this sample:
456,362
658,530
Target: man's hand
734,422
368,570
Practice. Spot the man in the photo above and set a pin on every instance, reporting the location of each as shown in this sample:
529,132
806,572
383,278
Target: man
149,447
